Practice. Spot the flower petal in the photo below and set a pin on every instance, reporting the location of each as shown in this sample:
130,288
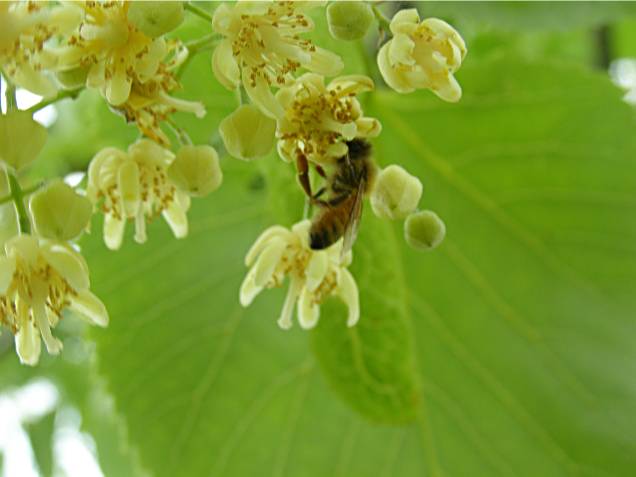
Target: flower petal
285,320
348,291
113,231
325,62
308,312
405,21
177,219
316,270
7,269
27,344
261,95
224,65
268,261
392,76
90,308
129,191
53,345
249,289
263,240
68,263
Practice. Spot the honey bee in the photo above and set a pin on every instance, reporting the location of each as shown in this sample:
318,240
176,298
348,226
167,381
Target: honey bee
339,214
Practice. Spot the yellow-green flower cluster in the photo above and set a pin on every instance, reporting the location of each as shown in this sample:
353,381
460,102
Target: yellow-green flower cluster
39,279
422,55
135,72
263,48
41,272
26,31
148,180
314,275
319,119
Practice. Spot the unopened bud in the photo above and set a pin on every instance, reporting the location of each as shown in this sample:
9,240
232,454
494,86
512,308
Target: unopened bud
196,170
21,139
72,79
155,18
424,230
247,133
396,193
349,20
59,212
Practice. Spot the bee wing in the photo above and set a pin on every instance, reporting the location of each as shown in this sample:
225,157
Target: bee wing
353,222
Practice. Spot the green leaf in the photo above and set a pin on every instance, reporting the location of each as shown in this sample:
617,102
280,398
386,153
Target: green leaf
519,326
372,364
41,436
512,16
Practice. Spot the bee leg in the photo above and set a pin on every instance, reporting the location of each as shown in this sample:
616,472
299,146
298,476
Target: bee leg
321,171
321,191
303,174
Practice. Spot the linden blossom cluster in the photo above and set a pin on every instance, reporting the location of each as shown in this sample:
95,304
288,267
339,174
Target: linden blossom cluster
292,95
41,272
313,120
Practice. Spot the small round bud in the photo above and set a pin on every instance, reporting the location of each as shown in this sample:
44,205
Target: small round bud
396,193
424,230
247,133
59,212
196,170
21,139
155,18
72,79
349,20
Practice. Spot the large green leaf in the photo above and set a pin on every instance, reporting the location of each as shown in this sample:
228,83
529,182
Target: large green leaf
513,341
516,15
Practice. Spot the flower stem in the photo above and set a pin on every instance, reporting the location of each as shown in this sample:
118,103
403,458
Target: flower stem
9,96
197,46
383,22
241,96
198,11
73,93
17,194
182,135
200,43
25,192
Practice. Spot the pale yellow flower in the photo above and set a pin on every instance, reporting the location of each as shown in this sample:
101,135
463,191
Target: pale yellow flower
319,119
25,30
422,55
39,279
263,48
115,51
313,275
150,102
134,185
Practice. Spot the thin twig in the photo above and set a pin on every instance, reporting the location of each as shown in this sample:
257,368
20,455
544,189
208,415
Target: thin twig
73,93
198,11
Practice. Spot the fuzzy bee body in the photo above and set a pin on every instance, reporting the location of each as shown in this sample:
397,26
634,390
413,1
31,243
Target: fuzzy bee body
339,215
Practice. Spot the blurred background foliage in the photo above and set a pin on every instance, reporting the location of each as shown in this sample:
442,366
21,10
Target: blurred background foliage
508,351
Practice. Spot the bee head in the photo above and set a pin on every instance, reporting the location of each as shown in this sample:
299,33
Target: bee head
359,149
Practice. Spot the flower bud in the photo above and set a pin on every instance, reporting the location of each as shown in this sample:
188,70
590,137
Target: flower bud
21,139
196,170
59,212
396,193
247,133
349,20
424,230
72,79
155,18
